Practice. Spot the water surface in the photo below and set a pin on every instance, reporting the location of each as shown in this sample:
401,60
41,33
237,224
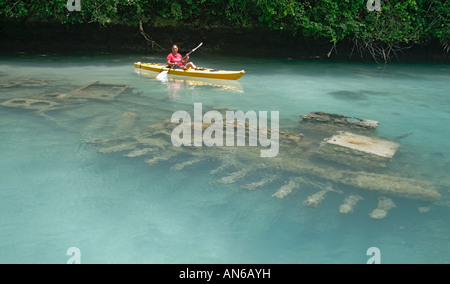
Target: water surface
58,191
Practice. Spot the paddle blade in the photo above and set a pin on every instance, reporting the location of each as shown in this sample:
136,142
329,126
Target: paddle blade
162,76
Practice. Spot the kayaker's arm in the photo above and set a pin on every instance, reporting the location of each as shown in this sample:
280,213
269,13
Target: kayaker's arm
169,63
184,61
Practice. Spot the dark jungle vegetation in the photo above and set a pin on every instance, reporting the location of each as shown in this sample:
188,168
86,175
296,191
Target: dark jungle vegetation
398,26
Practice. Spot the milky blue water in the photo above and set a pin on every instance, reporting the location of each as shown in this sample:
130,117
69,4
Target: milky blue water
58,191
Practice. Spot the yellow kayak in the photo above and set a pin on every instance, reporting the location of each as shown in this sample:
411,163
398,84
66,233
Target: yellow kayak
194,82
201,72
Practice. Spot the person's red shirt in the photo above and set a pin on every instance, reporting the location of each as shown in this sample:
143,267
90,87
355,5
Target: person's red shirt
174,59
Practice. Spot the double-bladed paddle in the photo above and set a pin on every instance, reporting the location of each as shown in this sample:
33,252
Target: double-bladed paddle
162,76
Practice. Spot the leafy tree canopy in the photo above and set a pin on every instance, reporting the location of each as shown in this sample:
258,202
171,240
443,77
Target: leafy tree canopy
399,24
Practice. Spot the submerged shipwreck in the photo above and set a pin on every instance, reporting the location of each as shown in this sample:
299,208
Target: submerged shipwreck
328,154
297,159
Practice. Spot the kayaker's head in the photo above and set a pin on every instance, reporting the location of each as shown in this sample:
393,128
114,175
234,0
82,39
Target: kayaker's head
174,49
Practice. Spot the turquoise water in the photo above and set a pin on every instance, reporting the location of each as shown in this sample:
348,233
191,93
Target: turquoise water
57,190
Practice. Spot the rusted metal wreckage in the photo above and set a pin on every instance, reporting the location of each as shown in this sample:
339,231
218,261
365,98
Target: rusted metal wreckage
297,160
353,159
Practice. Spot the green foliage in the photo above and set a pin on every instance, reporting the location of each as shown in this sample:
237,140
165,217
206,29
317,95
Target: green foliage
13,9
399,23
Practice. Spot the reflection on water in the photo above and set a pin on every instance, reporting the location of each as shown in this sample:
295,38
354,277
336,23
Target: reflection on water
89,163
175,83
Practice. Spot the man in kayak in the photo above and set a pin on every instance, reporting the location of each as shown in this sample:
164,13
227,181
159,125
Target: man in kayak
174,58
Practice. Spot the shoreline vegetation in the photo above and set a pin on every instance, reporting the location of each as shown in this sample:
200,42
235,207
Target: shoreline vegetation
402,31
